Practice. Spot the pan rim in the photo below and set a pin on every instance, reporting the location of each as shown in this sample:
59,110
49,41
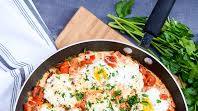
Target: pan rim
103,40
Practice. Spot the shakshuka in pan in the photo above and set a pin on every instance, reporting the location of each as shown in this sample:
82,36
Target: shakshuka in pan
99,81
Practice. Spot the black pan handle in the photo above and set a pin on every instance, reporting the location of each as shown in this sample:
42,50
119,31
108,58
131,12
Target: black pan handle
156,20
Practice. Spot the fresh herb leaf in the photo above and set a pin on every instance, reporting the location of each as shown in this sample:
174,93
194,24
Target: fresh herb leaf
112,98
57,76
79,96
113,74
84,50
123,7
63,95
117,92
144,95
89,104
145,103
121,100
109,87
158,101
133,100
95,87
110,106
188,45
86,77
69,58
123,109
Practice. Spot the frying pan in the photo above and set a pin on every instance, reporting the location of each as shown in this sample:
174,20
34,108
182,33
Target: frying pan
152,28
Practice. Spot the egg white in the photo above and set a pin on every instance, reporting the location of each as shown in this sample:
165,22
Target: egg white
47,107
154,96
58,90
126,75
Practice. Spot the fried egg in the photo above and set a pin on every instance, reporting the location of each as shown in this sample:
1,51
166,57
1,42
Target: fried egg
58,90
157,103
121,75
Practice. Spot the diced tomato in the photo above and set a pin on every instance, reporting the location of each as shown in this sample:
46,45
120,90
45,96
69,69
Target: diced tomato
149,79
171,109
88,61
123,106
30,106
92,57
164,96
74,64
142,69
111,61
64,68
38,100
38,95
37,92
81,105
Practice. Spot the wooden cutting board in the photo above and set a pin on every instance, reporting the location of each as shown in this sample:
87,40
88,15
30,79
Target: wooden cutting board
86,26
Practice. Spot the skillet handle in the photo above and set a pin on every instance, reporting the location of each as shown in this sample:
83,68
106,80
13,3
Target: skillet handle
156,20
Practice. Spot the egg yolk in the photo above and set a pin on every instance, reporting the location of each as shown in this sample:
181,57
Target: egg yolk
100,73
147,105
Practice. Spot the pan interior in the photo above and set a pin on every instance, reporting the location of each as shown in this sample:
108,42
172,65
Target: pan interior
75,49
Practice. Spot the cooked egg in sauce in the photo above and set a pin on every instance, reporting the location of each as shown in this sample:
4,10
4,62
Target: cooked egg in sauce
157,103
102,81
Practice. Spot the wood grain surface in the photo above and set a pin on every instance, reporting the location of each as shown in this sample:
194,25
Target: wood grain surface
86,26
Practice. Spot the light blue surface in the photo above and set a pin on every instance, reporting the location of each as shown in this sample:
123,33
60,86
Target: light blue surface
56,13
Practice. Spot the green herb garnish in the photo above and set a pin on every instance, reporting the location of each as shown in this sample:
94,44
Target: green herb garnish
101,71
123,7
58,77
113,74
144,95
112,98
121,100
84,50
95,87
86,77
158,101
79,96
145,103
89,104
109,87
117,92
69,58
63,95
133,100
123,109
